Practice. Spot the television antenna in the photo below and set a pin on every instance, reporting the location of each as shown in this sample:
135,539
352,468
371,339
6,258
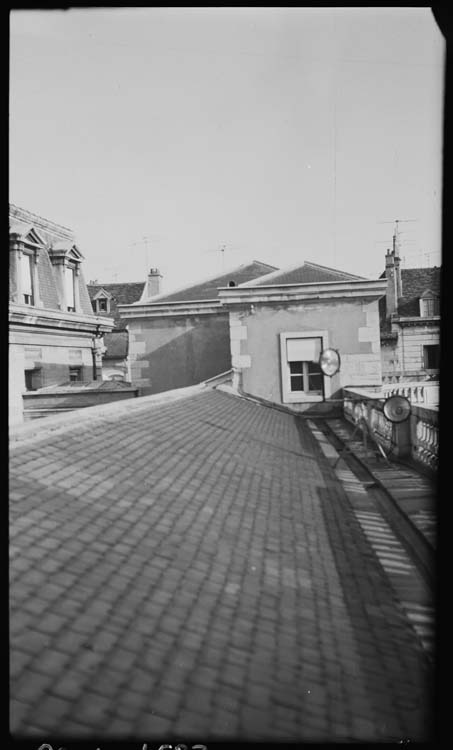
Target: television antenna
222,249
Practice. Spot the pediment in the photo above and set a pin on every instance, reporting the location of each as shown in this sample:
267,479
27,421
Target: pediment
75,254
34,237
27,233
67,249
102,294
429,294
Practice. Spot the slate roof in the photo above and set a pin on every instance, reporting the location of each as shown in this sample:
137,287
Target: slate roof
209,289
307,273
121,294
22,221
117,343
414,282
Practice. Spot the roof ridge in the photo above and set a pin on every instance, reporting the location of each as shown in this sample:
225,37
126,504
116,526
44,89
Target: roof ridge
116,283
264,264
37,217
423,268
329,268
272,273
186,287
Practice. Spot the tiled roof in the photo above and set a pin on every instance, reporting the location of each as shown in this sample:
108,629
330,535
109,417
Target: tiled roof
195,569
209,289
121,294
116,343
414,281
307,273
92,385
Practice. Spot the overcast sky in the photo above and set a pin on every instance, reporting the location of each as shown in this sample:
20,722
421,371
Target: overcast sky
283,134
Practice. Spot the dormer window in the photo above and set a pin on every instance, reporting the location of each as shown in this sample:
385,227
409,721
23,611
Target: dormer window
429,304
101,303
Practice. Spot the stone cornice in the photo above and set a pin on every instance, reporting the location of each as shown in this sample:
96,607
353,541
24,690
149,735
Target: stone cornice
170,309
25,315
373,289
416,320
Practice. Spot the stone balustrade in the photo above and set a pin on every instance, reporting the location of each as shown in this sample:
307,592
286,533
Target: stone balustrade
416,438
423,393
425,436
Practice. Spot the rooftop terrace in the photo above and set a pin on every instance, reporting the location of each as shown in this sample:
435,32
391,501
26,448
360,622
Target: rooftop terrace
189,565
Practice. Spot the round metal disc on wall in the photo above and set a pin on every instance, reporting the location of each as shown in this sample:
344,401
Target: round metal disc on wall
397,408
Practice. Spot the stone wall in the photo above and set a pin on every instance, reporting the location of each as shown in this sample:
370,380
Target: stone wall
51,354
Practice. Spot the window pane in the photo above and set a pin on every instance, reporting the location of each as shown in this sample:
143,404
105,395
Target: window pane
25,271
431,356
296,368
75,374
69,282
303,349
313,367
297,383
315,383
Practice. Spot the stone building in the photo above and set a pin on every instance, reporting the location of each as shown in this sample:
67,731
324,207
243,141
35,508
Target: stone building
54,336
181,338
105,299
410,322
280,323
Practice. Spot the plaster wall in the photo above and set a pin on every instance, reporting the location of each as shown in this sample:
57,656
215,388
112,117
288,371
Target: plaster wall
52,354
175,352
352,327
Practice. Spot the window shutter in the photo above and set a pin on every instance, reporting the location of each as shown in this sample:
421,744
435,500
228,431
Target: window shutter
69,281
25,271
303,350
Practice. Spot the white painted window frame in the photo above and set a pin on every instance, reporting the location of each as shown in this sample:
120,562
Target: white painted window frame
26,276
288,396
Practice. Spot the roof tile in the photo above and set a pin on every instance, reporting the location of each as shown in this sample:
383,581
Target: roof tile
121,294
209,289
307,273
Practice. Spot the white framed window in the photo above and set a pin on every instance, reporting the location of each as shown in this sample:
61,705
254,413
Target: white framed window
26,277
70,280
429,306
302,377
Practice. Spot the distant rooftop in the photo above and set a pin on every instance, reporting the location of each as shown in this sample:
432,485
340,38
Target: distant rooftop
209,288
92,385
415,282
125,293
307,273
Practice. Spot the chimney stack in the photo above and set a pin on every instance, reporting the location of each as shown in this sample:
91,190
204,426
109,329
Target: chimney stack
154,282
396,252
392,273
